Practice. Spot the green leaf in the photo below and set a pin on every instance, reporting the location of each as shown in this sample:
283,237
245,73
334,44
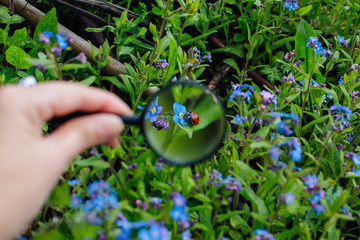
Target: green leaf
19,37
314,122
73,66
225,216
88,81
335,160
154,32
17,57
60,196
258,203
304,10
47,23
231,62
239,223
195,39
92,161
172,61
303,33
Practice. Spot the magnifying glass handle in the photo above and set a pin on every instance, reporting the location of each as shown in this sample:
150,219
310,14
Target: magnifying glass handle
57,121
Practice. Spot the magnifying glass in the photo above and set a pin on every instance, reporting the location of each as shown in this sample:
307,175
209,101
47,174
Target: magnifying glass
184,123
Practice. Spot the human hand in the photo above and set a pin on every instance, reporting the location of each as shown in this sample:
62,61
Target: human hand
31,163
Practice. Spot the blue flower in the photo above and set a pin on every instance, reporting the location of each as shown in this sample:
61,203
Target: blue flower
341,80
75,201
186,235
340,40
356,159
291,5
179,114
319,208
281,127
239,119
296,155
153,111
263,234
62,41
311,181
74,182
177,213
274,153
315,198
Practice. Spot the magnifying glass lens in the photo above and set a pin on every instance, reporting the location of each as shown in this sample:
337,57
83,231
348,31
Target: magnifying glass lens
184,123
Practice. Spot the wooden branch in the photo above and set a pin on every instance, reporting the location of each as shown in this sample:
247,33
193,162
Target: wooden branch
219,76
110,8
34,15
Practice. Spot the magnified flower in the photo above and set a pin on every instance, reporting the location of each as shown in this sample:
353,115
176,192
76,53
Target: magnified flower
153,111
161,123
179,115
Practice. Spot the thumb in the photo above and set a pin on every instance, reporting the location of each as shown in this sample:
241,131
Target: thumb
80,133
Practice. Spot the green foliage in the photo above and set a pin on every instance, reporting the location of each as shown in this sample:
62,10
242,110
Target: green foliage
267,162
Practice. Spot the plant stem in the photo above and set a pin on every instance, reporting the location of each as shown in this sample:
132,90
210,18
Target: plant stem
322,153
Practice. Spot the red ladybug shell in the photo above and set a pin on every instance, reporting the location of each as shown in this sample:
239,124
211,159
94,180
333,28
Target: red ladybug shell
194,118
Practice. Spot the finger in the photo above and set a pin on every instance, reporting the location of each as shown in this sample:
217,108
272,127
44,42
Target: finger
113,142
81,133
62,98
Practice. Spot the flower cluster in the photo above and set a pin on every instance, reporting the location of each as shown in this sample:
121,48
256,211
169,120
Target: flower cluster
267,98
289,55
311,182
101,198
341,116
242,91
288,80
239,119
312,83
229,183
286,123
161,64
62,40
291,5
263,234
180,211
317,46
293,146
355,171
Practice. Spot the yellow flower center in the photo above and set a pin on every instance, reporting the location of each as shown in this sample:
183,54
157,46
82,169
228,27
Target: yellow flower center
153,110
181,115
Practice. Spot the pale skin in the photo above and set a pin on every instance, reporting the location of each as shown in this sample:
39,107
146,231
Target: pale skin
31,163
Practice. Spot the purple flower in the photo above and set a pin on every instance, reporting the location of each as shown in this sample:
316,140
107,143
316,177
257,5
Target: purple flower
311,181
161,64
81,58
153,111
161,122
179,114
44,37
289,198
274,153
56,51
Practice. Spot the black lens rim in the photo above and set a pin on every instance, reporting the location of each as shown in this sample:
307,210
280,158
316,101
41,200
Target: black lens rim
166,88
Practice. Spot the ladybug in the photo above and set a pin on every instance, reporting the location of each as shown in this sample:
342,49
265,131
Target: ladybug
194,118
